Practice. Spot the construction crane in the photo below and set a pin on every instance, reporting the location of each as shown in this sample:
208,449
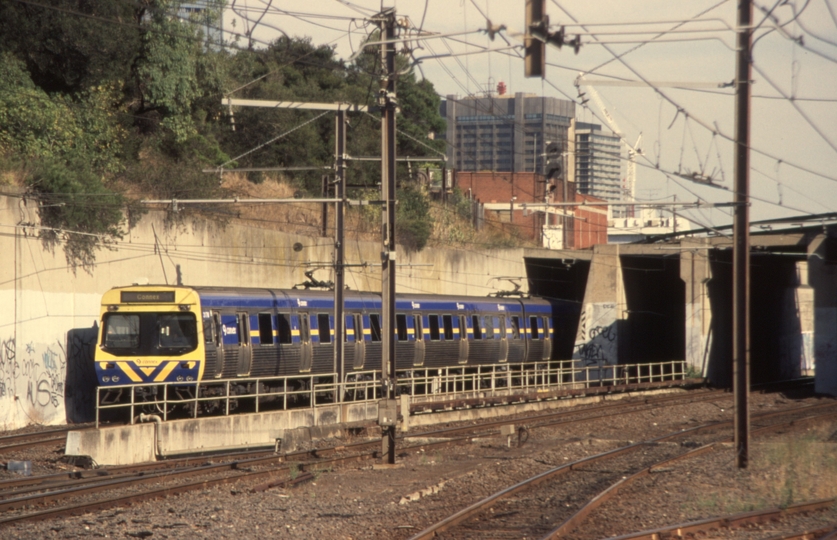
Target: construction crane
629,187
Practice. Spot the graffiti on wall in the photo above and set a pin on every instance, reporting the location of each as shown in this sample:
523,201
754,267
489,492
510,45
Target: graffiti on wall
595,342
33,376
7,363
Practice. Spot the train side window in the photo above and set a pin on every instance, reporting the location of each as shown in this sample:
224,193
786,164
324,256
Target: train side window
401,326
265,329
358,327
218,330
419,327
375,326
283,328
489,327
208,329
324,327
546,327
241,329
447,323
463,327
475,320
304,328
533,327
434,327
515,327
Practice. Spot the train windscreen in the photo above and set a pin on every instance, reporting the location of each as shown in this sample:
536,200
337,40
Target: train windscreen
149,334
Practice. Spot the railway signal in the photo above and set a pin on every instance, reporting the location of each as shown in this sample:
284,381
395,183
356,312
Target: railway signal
537,37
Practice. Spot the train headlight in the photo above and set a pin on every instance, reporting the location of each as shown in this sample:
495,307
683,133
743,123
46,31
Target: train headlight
180,378
189,378
105,379
115,378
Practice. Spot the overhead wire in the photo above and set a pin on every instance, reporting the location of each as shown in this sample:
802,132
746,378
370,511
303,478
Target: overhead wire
700,122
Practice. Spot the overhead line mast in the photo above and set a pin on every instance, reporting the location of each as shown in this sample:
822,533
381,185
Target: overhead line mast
387,415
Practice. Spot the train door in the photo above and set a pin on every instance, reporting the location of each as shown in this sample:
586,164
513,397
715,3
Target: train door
504,341
547,341
360,342
306,351
418,327
244,349
463,339
217,345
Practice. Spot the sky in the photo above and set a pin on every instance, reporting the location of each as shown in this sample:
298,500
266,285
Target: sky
685,49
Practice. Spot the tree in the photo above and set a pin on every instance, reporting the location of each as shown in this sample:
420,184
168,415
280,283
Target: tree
69,46
76,210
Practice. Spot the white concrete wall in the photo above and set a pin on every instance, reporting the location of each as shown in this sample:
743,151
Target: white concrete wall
597,337
695,272
41,299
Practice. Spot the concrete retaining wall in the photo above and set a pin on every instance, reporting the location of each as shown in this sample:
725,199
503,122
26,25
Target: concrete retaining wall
42,299
137,443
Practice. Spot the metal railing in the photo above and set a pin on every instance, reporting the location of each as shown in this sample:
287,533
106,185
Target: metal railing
221,397
214,396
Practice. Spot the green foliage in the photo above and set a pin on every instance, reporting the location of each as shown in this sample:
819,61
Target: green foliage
166,71
291,70
35,125
461,204
164,177
83,215
66,45
128,94
69,144
413,220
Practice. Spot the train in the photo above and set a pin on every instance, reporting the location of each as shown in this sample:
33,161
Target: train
182,335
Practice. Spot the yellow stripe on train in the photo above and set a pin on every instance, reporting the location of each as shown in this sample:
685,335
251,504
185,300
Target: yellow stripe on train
126,368
163,375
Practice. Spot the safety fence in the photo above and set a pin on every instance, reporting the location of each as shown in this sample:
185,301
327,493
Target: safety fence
228,396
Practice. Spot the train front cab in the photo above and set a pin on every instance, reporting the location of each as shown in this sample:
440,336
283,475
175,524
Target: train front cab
147,335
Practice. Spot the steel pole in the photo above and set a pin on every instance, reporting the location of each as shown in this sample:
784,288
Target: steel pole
388,163
741,237
339,254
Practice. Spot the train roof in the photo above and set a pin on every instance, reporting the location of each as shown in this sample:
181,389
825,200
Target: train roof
267,298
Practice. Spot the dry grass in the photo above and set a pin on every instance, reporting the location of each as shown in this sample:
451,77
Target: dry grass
301,218
363,223
802,468
12,177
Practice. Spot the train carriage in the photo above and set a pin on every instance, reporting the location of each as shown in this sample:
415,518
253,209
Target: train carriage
156,334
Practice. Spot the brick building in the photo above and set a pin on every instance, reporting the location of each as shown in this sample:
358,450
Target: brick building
522,200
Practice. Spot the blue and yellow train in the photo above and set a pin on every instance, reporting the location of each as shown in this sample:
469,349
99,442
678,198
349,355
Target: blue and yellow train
175,334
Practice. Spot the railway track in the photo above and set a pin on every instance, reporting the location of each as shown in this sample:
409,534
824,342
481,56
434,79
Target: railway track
708,526
23,441
19,496
520,510
38,498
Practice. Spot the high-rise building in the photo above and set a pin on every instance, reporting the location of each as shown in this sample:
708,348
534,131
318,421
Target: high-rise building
511,134
504,133
598,163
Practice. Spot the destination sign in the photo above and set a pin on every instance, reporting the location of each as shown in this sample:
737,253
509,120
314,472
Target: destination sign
129,297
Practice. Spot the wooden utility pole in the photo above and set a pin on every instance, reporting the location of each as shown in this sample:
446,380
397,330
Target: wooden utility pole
741,236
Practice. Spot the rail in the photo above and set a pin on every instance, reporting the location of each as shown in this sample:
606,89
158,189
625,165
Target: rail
222,397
